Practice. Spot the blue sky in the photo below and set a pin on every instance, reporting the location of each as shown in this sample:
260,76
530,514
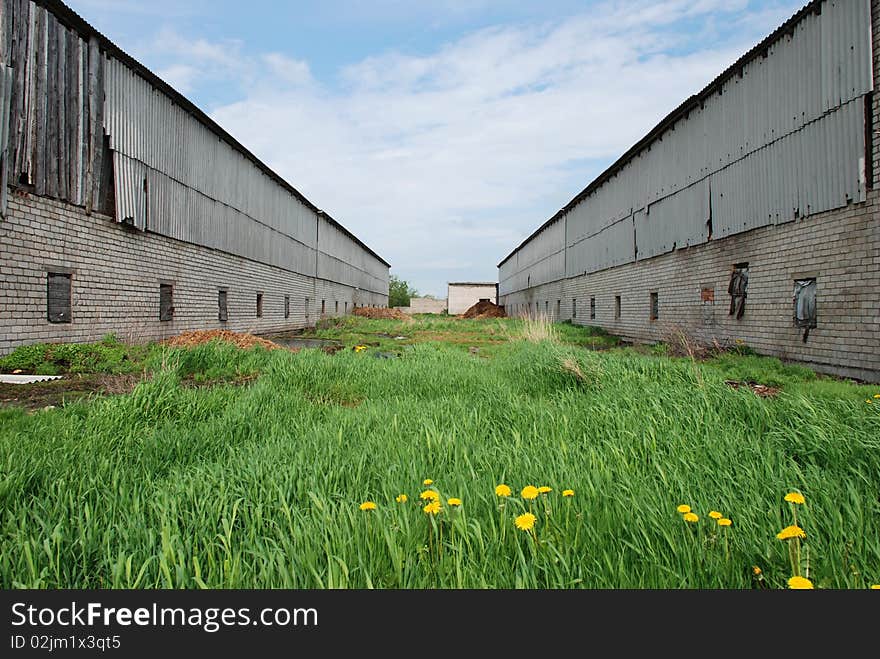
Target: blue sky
440,133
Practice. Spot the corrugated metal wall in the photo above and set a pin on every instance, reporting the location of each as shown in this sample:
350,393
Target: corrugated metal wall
780,139
172,173
341,259
540,261
198,188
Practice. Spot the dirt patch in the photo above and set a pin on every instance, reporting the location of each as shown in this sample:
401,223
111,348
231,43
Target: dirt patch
380,313
56,393
761,390
200,337
485,309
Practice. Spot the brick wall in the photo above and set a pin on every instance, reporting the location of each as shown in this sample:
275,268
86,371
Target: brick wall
116,273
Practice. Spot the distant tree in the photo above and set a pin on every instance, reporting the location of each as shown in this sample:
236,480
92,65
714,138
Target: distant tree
399,292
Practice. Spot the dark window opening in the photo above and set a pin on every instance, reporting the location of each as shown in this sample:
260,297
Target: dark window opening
259,305
592,308
574,308
323,305
738,289
166,302
222,309
558,307
287,306
655,306
58,290
337,308
307,309
805,304
617,307
546,307
346,307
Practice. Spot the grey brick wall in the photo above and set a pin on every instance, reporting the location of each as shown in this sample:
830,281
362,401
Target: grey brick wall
116,276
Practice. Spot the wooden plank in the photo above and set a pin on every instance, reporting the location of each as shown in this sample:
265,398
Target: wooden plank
97,121
38,103
51,106
7,18
82,120
63,159
71,84
18,120
92,173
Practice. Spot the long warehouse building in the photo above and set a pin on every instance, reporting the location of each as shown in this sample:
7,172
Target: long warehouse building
125,209
749,214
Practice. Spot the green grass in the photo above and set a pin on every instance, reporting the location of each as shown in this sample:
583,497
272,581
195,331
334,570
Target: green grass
107,356
259,486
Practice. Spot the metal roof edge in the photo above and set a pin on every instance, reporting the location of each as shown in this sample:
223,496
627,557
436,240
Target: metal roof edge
74,21
684,108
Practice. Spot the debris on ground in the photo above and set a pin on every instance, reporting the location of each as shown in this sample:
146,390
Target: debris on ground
485,309
760,389
381,313
200,337
40,395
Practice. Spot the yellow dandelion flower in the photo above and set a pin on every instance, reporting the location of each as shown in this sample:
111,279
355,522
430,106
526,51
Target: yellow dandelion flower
544,489
795,497
683,509
502,490
368,505
691,517
454,501
791,532
401,498
714,514
868,400
800,583
526,522
427,482
876,395
432,508
724,522
875,586
530,492
360,348
568,493
429,495
756,570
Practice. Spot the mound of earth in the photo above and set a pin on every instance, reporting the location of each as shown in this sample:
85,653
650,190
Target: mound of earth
380,313
485,309
200,337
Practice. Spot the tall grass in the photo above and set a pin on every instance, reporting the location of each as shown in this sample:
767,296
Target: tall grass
260,486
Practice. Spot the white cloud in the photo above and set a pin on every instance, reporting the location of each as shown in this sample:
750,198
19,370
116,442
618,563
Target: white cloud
444,163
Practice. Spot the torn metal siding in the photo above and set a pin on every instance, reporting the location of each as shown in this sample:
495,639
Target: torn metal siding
777,136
